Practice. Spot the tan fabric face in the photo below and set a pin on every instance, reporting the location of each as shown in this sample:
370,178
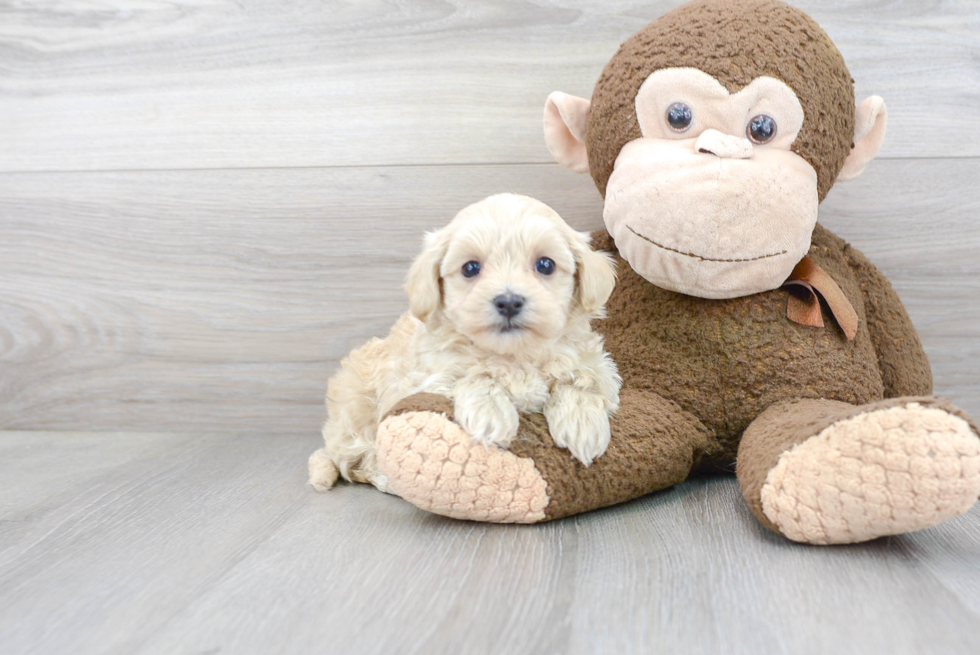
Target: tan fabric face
709,226
713,107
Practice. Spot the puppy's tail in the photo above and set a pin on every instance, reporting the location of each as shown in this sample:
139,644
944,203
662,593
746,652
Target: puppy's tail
323,472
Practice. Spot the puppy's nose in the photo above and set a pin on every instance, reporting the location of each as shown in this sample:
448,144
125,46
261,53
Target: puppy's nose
508,304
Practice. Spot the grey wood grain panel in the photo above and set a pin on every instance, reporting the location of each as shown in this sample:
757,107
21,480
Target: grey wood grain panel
222,300
208,543
204,84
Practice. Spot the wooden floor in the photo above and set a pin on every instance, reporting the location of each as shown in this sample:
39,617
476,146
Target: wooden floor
141,543
205,204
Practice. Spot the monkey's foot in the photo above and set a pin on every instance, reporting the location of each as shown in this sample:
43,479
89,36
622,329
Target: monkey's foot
881,472
432,463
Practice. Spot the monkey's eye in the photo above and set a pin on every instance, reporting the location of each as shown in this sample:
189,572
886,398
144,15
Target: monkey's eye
679,117
545,266
471,269
761,129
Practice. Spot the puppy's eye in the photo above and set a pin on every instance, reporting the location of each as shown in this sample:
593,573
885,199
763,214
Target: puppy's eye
545,266
471,269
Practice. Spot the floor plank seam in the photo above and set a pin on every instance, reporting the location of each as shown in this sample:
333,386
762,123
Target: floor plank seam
327,167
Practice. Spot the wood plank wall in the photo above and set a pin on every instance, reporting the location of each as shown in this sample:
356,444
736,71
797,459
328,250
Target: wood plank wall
204,205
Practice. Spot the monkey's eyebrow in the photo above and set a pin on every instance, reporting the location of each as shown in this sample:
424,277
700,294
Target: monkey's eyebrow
704,259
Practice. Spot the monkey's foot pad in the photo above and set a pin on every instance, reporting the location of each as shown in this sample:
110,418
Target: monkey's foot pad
884,472
432,463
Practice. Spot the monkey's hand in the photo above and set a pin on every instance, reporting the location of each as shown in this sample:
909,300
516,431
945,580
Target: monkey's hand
485,411
578,420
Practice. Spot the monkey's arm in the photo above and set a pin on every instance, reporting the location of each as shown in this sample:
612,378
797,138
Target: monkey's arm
433,464
903,364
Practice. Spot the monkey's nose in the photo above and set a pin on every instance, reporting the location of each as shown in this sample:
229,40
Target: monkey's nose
508,304
723,145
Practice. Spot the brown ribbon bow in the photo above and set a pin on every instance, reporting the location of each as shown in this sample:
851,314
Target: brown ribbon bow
804,283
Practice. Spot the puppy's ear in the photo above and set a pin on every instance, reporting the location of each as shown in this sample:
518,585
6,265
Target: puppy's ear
596,272
422,284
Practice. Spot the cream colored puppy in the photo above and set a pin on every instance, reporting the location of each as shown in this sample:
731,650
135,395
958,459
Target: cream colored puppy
501,301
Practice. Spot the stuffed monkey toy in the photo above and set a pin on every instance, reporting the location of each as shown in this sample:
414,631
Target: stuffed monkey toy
749,338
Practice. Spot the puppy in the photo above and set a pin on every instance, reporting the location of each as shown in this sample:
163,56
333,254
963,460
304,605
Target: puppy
501,302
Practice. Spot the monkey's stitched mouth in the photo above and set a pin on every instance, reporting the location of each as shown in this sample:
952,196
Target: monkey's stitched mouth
704,259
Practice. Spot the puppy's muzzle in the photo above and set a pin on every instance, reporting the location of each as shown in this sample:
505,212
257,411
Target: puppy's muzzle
508,305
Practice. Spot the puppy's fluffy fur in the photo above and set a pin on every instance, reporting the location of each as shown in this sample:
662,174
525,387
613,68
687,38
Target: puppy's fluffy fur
459,341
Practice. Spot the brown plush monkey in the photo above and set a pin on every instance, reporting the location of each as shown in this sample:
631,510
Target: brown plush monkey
746,333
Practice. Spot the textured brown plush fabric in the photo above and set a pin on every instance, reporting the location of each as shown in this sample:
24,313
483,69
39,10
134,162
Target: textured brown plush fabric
422,402
904,371
792,422
726,361
655,445
735,41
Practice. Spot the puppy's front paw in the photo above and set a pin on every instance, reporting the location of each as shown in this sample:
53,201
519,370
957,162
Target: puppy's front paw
489,418
579,423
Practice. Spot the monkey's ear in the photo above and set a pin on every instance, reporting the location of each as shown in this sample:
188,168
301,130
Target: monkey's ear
870,119
422,284
565,118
